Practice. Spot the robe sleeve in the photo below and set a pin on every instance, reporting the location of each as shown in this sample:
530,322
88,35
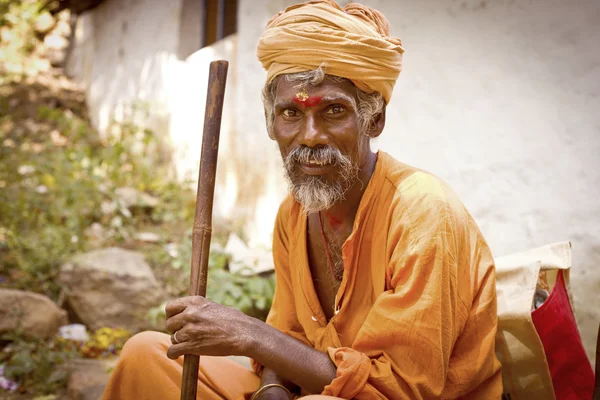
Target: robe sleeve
438,287
282,314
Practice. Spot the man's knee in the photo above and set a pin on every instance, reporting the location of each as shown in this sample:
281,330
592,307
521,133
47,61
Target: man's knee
145,345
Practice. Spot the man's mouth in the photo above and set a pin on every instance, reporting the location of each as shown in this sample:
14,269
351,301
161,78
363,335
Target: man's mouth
316,162
315,167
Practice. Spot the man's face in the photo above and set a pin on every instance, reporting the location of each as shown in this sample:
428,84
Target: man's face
317,130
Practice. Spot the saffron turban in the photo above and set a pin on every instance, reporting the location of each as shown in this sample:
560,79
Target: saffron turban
352,43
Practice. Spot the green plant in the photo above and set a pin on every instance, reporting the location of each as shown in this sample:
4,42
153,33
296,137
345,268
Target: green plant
36,365
18,39
58,176
252,295
105,342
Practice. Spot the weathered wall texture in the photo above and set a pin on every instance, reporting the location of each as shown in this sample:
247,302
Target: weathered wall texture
189,86
501,99
123,54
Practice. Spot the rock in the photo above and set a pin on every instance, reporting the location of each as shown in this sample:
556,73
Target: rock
34,313
92,392
89,378
75,332
95,234
111,288
130,197
108,207
149,237
245,260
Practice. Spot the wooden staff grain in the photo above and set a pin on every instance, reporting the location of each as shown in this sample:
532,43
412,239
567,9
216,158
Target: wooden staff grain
201,235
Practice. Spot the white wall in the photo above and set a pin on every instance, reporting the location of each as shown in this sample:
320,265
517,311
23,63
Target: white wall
123,53
501,99
189,82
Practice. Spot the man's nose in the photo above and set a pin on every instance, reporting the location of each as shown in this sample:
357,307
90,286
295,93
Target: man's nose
311,135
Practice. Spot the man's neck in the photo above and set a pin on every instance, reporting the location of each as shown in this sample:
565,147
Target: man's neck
341,215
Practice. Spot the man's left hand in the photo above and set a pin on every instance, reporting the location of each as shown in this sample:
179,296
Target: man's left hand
203,327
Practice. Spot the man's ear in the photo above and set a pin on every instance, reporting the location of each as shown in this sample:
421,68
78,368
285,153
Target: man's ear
377,124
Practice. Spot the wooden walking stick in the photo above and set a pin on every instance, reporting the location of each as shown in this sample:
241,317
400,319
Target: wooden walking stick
217,78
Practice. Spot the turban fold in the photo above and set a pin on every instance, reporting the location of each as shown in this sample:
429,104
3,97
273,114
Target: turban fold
352,42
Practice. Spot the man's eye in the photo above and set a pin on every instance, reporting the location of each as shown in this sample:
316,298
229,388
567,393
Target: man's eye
289,112
337,109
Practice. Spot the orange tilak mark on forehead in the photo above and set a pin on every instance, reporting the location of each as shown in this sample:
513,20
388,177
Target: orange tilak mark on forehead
305,100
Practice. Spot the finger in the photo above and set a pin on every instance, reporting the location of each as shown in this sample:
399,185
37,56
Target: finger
176,306
192,314
176,322
176,338
179,305
177,350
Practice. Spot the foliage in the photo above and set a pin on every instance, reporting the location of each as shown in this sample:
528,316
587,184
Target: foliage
38,366
252,295
105,342
18,38
59,178
35,364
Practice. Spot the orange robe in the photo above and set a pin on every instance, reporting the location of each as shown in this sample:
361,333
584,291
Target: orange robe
145,373
416,309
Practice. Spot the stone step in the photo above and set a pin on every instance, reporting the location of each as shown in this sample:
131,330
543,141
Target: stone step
88,378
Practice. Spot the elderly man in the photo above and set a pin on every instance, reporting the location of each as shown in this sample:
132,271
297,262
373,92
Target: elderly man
385,286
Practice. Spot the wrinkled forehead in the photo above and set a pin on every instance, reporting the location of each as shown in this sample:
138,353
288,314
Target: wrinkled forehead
329,87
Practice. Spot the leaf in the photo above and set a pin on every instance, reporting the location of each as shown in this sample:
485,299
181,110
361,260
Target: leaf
177,264
125,212
255,285
58,375
261,303
234,290
218,297
229,301
245,303
21,363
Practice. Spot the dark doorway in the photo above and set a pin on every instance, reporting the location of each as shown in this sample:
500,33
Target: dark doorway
204,22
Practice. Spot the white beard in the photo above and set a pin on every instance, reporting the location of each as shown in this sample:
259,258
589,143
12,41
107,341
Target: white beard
316,195
313,192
